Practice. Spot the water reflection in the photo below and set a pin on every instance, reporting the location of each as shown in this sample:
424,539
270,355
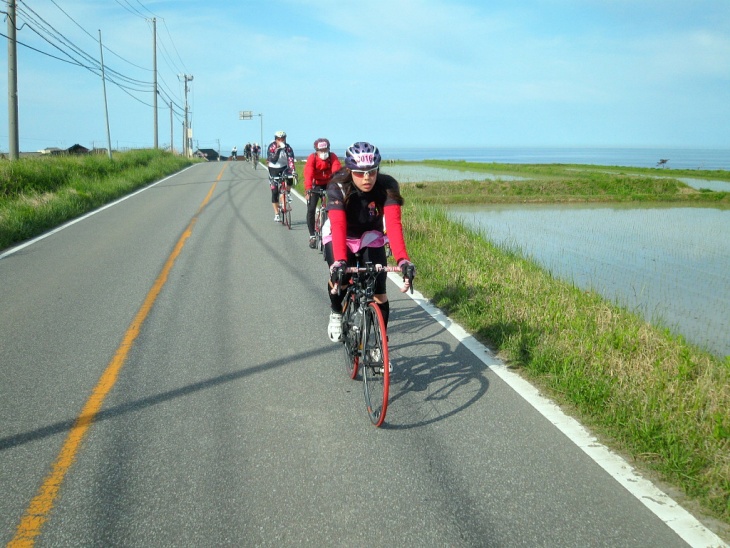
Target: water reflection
669,264
417,174
717,186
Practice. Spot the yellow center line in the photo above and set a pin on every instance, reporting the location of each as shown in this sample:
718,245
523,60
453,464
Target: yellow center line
37,512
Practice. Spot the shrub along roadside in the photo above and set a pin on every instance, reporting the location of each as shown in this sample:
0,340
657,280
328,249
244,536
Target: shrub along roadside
38,194
654,396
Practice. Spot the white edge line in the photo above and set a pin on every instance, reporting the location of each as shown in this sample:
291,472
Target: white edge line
662,505
45,235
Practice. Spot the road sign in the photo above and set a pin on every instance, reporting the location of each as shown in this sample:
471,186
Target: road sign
245,115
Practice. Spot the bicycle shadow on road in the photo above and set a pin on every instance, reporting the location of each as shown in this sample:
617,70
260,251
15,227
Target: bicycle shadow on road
434,375
139,404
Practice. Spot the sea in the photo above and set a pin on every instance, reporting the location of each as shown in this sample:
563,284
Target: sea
672,158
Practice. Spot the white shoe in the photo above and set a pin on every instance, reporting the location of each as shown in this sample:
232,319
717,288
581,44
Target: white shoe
277,218
379,370
334,329
374,357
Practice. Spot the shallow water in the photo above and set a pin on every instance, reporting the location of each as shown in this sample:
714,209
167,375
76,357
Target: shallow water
417,174
717,186
669,264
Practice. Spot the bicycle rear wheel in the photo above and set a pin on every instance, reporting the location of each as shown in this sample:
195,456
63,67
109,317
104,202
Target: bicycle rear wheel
375,365
350,338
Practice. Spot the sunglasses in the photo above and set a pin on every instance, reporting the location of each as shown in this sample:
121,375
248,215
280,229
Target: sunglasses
364,172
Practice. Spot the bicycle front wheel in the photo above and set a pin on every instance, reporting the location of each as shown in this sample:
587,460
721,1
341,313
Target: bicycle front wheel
375,365
322,221
287,211
318,230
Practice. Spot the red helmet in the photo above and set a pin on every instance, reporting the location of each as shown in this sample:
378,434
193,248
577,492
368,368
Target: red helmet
322,144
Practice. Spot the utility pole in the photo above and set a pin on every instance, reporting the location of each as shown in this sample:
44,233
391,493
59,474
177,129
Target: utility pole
186,149
154,75
13,147
261,120
172,132
106,107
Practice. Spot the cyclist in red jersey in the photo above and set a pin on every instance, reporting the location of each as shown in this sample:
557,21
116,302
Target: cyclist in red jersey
318,171
359,201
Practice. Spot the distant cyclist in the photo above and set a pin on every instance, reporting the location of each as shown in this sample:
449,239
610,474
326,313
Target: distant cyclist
234,153
247,152
318,171
280,158
359,201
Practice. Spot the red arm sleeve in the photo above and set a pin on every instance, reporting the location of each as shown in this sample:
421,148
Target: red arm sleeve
394,226
338,225
336,165
308,172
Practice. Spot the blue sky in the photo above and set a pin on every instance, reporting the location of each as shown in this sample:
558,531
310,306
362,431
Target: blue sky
398,73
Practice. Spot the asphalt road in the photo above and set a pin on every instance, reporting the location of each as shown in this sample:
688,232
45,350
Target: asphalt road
166,380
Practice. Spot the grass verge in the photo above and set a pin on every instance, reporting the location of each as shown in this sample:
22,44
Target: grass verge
654,396
38,194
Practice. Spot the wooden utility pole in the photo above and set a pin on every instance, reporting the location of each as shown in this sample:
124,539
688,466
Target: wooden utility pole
13,146
106,107
154,76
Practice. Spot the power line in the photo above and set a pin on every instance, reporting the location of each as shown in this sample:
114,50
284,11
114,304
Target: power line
131,9
71,62
71,53
93,38
49,33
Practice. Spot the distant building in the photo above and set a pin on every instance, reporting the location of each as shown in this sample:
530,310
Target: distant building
77,149
208,153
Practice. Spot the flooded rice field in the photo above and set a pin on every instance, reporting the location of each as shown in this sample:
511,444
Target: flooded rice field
417,174
671,265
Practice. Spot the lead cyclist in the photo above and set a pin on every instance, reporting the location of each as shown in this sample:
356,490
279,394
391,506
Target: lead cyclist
360,200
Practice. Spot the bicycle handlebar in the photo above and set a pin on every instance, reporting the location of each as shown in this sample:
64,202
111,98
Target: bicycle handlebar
375,269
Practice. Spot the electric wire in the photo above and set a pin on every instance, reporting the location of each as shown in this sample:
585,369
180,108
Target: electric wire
71,53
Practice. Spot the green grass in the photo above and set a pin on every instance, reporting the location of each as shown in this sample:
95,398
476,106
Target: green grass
38,194
560,184
569,170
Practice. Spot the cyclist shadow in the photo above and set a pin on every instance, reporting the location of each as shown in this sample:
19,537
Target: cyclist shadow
434,377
